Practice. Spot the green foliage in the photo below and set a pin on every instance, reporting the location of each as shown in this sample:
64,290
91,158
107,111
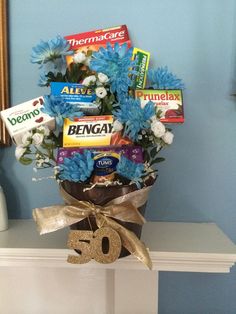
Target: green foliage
26,161
77,72
44,154
107,104
51,77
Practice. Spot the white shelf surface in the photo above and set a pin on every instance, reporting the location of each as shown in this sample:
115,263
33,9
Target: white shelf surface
174,246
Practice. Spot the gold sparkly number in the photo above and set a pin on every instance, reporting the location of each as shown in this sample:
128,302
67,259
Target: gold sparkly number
90,246
114,245
79,240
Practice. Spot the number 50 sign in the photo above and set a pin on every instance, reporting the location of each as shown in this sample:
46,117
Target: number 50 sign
89,244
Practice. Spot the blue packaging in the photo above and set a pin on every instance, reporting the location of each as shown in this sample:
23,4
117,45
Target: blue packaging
105,166
83,97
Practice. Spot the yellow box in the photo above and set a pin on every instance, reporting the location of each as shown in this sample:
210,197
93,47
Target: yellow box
142,62
88,131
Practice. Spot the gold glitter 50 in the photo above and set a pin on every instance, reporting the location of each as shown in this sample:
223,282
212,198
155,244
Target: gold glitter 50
89,244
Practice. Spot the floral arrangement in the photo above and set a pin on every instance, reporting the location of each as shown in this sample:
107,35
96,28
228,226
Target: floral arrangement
110,72
104,151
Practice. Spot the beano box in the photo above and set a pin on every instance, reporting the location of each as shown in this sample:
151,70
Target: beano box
25,117
95,39
168,103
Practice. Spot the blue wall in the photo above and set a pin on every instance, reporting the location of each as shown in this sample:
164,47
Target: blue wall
196,39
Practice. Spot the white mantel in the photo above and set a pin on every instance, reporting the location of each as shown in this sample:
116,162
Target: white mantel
116,288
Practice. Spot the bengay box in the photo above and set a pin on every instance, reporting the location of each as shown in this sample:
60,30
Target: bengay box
88,131
24,117
169,103
80,96
95,39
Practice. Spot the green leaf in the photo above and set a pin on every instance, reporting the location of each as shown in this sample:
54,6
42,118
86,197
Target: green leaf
159,113
25,161
28,151
153,152
75,72
89,53
157,160
111,98
109,107
49,145
146,156
107,104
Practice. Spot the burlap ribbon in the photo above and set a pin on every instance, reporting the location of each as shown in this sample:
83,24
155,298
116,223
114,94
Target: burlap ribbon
123,208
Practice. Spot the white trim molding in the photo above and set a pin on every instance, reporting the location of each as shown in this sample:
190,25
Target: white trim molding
38,264
193,247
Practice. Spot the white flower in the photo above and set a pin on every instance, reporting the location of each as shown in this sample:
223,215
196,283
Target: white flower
56,170
19,152
87,61
37,139
168,137
89,80
79,57
158,128
153,118
26,138
117,126
101,92
44,129
39,162
103,78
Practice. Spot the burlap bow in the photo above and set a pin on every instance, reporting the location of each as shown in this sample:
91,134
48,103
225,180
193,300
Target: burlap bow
123,208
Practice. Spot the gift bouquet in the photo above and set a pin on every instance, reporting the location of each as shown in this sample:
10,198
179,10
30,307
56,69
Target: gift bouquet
101,128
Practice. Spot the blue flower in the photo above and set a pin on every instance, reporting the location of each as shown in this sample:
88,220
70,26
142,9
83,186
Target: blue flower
56,107
133,116
162,79
77,168
130,170
116,63
51,55
55,66
50,50
43,79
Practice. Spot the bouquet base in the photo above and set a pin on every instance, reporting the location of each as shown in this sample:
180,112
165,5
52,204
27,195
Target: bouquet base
101,195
